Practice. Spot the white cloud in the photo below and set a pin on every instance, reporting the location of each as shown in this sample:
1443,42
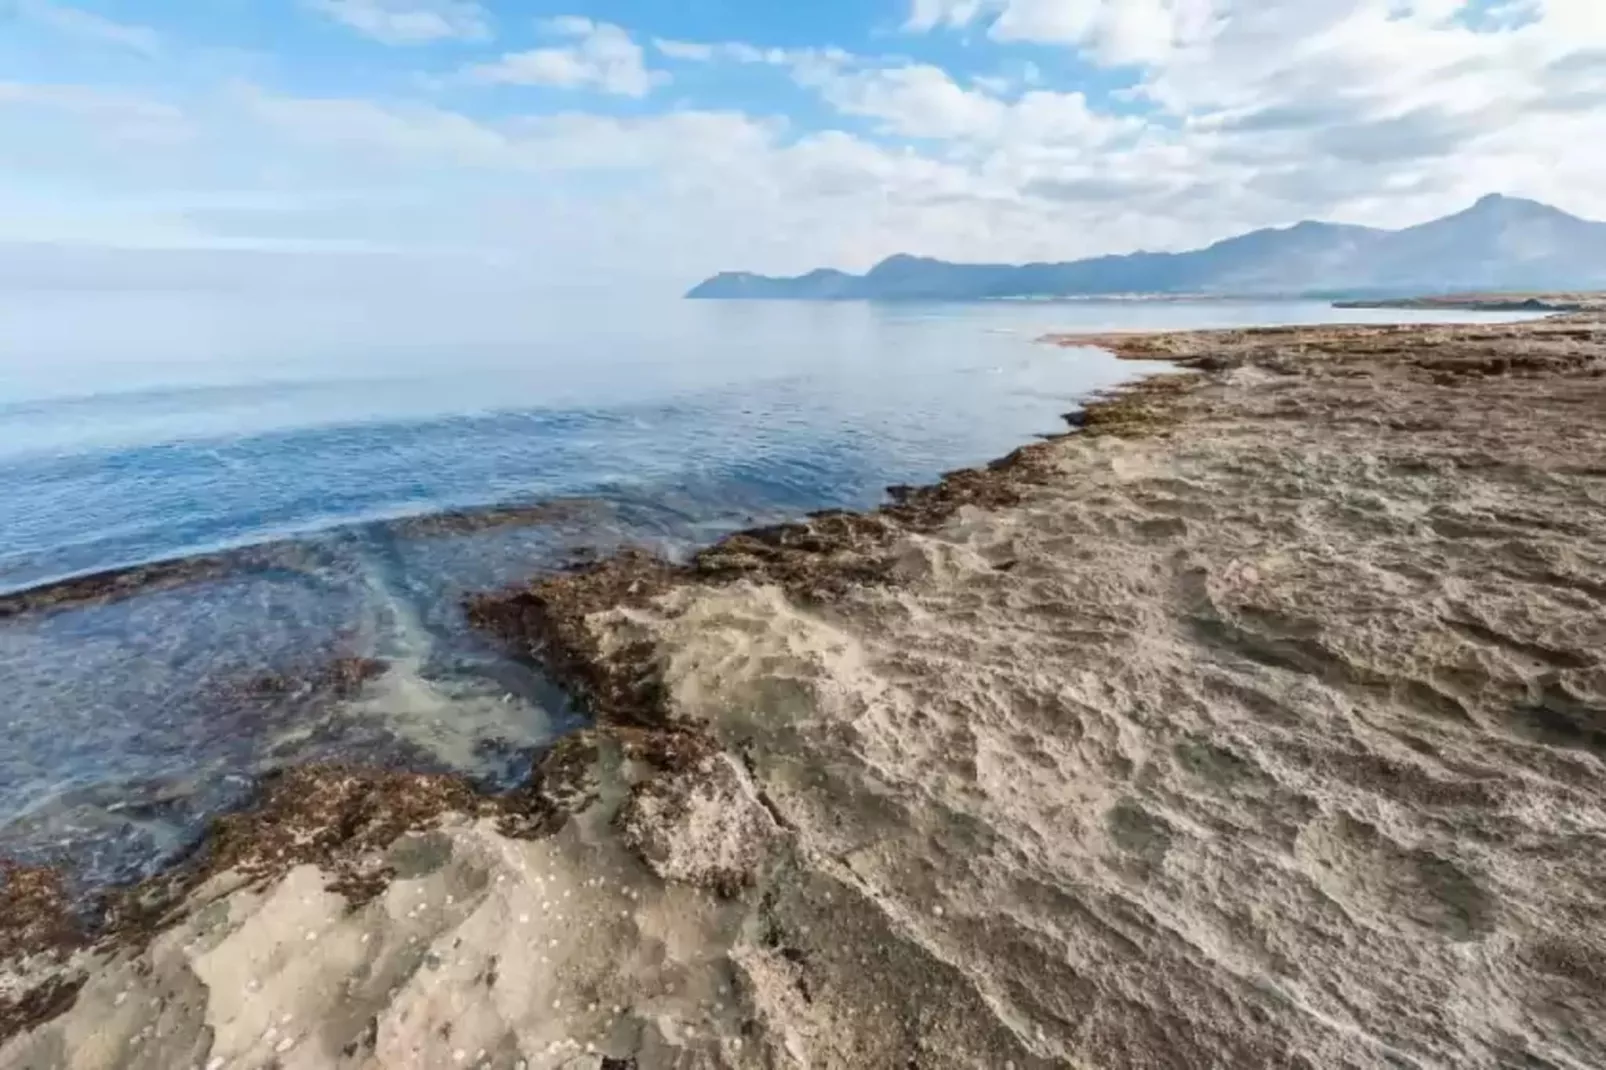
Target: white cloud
563,142
363,125
123,117
72,22
409,22
729,51
930,14
689,51
1116,32
1381,109
741,52
922,101
568,25
602,57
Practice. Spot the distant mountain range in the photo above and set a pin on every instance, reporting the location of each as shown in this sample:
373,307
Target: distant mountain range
1500,243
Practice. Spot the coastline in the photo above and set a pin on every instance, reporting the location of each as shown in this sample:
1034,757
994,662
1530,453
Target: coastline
1490,302
827,753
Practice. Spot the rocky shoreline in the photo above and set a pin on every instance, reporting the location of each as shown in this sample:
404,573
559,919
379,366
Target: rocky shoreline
1257,721
1490,302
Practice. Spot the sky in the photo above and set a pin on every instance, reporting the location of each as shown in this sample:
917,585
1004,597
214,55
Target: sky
649,143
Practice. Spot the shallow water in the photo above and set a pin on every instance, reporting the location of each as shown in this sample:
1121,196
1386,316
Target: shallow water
138,427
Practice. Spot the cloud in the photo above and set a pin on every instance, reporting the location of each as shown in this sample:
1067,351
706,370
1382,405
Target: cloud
1092,187
1117,32
927,15
568,25
1412,99
85,26
356,125
729,51
689,51
602,57
923,101
409,22
122,117
434,137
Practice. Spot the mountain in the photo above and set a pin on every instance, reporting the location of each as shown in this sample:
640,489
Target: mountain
1500,243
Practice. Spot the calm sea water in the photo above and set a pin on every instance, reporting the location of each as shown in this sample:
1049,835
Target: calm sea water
140,427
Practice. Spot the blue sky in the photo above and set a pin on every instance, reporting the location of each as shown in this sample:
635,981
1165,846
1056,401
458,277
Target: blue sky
650,142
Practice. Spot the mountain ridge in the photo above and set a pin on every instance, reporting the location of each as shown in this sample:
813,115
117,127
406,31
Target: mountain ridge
1497,243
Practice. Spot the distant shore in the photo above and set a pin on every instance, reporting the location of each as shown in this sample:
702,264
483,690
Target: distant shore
1259,720
1490,302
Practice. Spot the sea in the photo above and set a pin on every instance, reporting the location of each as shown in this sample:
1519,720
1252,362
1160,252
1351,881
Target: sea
352,467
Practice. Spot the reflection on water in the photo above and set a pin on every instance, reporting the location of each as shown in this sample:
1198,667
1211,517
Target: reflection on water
128,723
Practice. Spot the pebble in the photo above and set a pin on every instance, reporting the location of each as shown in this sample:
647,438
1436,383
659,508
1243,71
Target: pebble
459,1055
285,1045
215,1063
